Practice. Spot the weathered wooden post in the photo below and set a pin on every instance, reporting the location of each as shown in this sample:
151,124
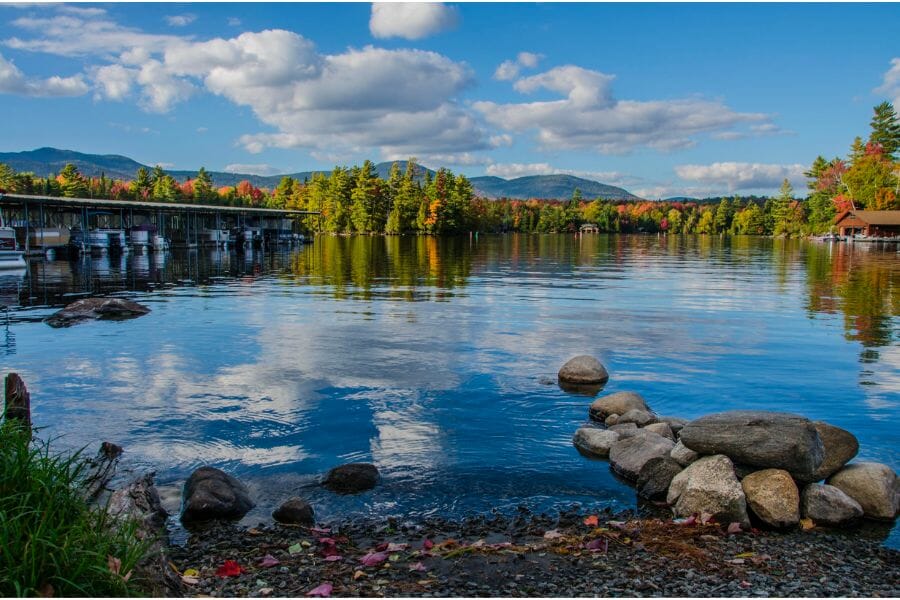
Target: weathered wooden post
18,402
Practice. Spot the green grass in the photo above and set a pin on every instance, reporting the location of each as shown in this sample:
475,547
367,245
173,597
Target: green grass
51,541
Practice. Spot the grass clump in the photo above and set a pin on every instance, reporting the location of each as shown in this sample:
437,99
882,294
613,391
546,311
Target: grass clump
51,541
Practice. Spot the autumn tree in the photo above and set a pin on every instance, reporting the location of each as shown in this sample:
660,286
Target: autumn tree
72,184
141,186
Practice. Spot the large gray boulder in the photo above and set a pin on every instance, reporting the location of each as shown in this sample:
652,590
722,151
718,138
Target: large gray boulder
683,455
773,497
760,439
213,494
709,486
583,370
352,478
594,442
655,476
627,456
874,485
96,308
618,403
840,447
828,505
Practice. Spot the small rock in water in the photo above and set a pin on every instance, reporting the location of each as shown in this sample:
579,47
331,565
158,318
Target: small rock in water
628,456
594,442
295,511
213,494
873,485
352,478
583,370
618,403
96,308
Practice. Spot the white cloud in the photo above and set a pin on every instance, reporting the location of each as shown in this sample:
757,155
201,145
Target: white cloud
411,20
503,139
589,117
13,81
735,176
513,170
257,169
113,82
529,59
890,85
509,69
180,20
465,159
234,22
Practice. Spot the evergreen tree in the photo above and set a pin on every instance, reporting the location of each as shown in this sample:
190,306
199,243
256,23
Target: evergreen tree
141,187
886,129
203,189
72,184
781,209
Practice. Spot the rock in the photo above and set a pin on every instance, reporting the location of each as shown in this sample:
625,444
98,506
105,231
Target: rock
873,485
351,478
628,455
773,496
594,442
96,308
708,485
583,370
655,476
662,429
611,420
683,455
295,511
624,429
840,447
616,404
828,505
640,418
213,494
676,424
758,438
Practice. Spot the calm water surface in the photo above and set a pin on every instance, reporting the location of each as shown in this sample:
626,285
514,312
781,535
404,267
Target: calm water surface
431,358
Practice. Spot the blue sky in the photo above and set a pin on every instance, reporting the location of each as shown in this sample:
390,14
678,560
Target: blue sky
662,99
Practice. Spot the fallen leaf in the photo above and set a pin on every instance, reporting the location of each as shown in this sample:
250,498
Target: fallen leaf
295,549
320,530
267,591
734,528
190,580
114,564
269,561
254,531
746,584
598,545
358,574
592,521
334,558
229,568
323,591
306,544
806,524
373,559
394,557
707,518
427,544
691,520
745,555
191,573
736,561
418,567
553,534
392,547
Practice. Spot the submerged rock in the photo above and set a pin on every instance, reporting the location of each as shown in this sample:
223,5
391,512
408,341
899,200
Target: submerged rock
96,308
773,497
709,486
873,485
760,439
295,511
594,442
828,505
583,370
213,494
352,478
628,455
655,476
618,403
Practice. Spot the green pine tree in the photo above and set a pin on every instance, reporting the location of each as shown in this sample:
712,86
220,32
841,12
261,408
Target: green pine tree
886,129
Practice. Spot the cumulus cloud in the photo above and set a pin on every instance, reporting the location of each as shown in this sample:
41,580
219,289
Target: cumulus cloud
510,69
411,20
890,85
13,81
514,170
255,169
463,159
588,116
735,176
180,20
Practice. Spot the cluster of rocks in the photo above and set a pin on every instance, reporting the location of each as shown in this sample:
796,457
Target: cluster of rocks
211,494
777,468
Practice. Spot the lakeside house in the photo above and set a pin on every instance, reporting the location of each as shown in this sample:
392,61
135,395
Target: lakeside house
870,223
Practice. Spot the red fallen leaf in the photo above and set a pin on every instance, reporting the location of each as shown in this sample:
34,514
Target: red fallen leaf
320,530
327,541
269,561
592,521
734,528
334,557
382,547
418,567
746,584
707,518
229,569
598,545
691,520
323,591
373,559
427,544
392,547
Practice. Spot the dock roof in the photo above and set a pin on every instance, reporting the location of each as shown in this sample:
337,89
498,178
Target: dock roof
155,206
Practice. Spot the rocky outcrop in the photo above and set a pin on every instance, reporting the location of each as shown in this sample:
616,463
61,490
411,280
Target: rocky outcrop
295,511
213,494
352,478
616,404
683,455
840,447
655,476
583,370
594,442
628,456
709,486
828,505
773,497
873,485
96,308
760,439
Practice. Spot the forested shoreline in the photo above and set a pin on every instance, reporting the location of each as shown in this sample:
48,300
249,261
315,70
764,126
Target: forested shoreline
357,200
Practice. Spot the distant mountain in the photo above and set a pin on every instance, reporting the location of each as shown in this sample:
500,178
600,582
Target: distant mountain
547,187
45,161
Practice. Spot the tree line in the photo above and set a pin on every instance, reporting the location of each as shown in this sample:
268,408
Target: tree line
357,200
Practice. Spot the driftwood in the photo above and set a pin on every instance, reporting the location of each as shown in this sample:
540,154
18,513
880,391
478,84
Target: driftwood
18,402
139,500
100,470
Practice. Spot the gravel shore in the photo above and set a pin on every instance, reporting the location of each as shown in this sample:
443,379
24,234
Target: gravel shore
573,554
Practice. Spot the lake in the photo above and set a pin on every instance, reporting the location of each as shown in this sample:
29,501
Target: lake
436,358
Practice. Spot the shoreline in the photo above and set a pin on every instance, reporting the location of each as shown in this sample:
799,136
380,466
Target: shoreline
534,555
